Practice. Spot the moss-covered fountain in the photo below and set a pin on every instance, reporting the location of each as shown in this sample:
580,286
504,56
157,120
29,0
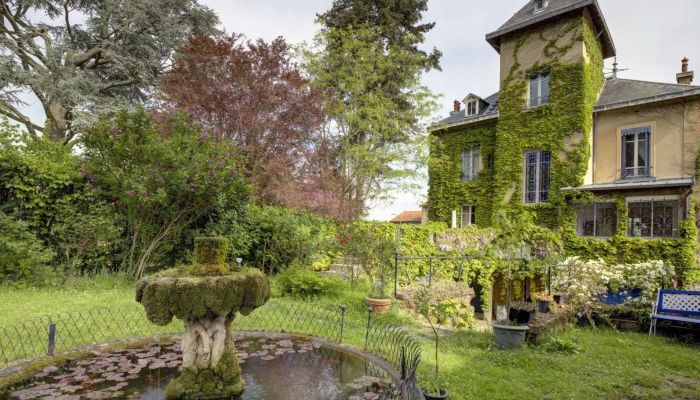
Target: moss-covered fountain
206,296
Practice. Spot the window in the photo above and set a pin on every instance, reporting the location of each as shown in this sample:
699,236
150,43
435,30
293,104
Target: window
539,88
490,161
597,220
635,152
472,107
471,164
652,218
468,216
540,5
536,184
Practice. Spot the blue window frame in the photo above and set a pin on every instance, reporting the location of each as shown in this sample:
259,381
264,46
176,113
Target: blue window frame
636,152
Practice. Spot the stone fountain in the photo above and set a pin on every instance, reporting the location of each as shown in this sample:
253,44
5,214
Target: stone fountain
206,296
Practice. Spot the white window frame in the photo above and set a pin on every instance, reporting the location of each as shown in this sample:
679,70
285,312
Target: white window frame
472,154
540,78
639,134
538,177
658,199
544,3
473,103
470,211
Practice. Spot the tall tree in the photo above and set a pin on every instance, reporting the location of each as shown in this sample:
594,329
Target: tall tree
368,63
398,23
82,57
253,93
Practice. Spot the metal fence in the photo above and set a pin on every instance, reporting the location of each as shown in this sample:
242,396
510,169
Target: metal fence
53,334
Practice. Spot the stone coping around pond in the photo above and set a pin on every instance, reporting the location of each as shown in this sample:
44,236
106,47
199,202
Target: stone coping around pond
23,371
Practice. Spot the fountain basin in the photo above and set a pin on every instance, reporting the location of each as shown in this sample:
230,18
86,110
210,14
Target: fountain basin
274,367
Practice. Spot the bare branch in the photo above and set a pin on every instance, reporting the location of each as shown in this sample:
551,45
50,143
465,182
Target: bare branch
68,27
11,112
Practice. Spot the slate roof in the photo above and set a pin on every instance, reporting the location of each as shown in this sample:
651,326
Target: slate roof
458,118
526,18
619,93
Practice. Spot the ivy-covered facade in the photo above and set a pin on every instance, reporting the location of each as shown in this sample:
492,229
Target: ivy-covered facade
609,163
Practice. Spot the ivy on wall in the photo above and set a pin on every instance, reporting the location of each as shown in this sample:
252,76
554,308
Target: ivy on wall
563,126
447,190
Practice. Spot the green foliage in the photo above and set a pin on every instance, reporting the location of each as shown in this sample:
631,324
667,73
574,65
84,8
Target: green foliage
373,250
22,256
375,104
163,179
86,57
447,191
561,345
277,238
41,184
306,284
454,313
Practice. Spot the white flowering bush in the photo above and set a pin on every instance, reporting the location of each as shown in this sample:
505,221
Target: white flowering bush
584,282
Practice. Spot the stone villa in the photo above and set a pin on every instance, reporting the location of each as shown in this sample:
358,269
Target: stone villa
612,162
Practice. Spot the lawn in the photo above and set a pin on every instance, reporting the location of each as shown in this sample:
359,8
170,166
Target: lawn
601,364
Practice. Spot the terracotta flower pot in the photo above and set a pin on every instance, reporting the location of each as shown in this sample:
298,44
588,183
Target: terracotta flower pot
379,306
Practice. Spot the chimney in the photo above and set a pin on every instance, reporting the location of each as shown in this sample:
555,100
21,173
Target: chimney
685,77
457,106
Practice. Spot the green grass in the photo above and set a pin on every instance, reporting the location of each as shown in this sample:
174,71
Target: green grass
608,364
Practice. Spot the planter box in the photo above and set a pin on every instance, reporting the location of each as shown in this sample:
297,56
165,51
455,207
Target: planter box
509,336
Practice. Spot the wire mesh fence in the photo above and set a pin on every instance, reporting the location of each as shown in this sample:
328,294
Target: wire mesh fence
58,333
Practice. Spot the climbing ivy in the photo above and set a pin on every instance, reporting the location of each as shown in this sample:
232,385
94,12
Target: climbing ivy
563,126
447,190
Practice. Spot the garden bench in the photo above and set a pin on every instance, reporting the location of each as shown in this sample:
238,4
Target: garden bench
676,305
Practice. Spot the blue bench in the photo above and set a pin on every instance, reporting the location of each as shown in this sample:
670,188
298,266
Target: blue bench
675,305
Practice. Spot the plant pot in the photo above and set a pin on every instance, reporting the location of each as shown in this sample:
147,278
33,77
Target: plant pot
379,306
559,298
543,306
509,336
433,396
520,316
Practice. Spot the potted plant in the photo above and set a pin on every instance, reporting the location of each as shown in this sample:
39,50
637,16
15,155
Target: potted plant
543,302
378,299
374,253
521,312
559,298
509,334
427,309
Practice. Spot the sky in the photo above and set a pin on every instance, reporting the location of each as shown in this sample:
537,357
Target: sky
651,38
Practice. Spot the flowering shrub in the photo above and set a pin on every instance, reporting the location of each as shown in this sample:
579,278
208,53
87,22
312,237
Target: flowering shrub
585,282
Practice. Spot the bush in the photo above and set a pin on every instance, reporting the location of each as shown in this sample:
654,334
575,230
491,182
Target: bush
23,258
305,283
280,238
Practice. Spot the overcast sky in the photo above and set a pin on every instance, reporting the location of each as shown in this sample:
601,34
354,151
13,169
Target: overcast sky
651,37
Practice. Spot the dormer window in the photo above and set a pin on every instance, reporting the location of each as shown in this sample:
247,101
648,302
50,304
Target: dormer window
472,107
540,5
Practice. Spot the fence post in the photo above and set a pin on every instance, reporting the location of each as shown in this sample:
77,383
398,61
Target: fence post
343,310
549,279
403,363
369,324
52,338
396,273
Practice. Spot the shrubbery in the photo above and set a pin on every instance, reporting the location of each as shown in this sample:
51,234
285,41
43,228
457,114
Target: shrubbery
23,258
304,283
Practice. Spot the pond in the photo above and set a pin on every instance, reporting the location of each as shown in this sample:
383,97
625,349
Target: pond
274,368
